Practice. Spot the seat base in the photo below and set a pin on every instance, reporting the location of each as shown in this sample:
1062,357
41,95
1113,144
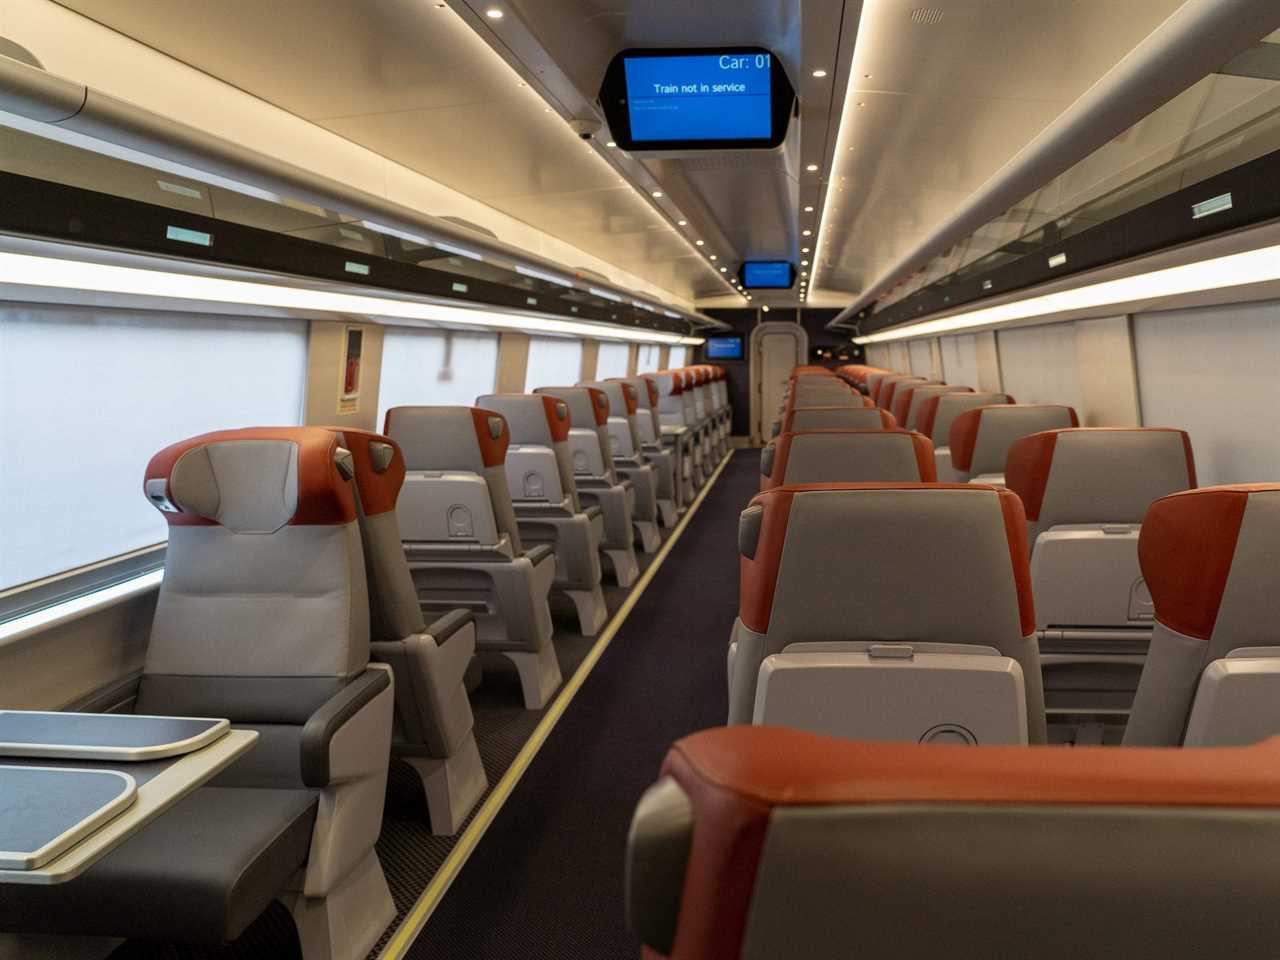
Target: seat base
647,535
623,563
453,786
668,512
347,923
592,611
539,675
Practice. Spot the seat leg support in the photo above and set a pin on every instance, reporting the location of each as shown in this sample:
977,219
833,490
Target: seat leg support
592,611
347,923
453,786
539,675
623,562
669,512
647,534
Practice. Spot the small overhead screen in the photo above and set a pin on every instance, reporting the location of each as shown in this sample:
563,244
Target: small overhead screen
768,275
729,98
724,348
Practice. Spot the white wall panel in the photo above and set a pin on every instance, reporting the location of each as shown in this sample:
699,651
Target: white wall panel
647,358
1215,372
612,360
88,396
431,367
553,362
921,357
1041,364
960,360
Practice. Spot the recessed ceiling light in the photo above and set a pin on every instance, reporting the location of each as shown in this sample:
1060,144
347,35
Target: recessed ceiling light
697,243
657,194
493,13
806,233
713,256
808,209
812,168
724,269
819,74
804,273
804,263
683,223
610,144
862,103
804,249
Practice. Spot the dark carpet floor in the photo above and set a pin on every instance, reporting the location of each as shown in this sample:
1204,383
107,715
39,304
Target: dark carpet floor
546,880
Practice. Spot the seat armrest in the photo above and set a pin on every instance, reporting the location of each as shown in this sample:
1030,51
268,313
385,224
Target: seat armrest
539,553
324,724
449,624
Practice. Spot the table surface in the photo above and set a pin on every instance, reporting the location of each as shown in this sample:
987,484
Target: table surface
103,736
46,810
160,784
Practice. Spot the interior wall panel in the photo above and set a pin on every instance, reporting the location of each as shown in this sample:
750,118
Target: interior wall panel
1108,377
959,359
1215,372
921,357
325,356
1041,364
513,362
987,360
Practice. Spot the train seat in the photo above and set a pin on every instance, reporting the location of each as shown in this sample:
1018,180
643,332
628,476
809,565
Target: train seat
598,482
696,414
763,842
463,542
915,397
711,407
826,642
934,419
720,395
904,394
629,461
889,389
263,619
544,494
434,729
1212,674
980,437
678,428
836,418
877,455
664,459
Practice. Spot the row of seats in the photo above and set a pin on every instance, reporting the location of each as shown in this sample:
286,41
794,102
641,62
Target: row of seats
334,590
899,609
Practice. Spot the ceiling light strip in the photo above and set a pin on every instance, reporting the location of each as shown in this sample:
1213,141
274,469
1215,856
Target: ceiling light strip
1234,270
28,270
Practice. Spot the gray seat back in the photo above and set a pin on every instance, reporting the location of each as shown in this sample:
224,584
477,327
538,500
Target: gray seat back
921,393
588,411
462,440
980,438
937,413
543,421
263,612
623,407
847,456
836,418
647,423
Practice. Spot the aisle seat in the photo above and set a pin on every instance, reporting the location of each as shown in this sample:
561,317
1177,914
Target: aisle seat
980,437
889,389
678,428
463,542
935,639
629,460
903,394
544,495
934,419
698,422
434,729
847,456
836,417
763,843
664,459
1085,492
874,382
597,481
1212,674
912,398
262,618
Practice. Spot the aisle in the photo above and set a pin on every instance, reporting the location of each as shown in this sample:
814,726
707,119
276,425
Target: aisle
546,879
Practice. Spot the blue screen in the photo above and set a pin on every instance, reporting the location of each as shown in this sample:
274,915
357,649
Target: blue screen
769,274
724,348
724,96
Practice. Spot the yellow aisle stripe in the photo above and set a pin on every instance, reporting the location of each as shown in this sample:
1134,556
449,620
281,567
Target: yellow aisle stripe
426,904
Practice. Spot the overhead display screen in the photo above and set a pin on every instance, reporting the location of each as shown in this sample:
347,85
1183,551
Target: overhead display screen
768,274
724,348
704,99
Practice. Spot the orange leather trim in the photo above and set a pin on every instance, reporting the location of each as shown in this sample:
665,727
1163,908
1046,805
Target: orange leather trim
964,436
924,458
758,578
378,491
887,419
1185,550
324,497
902,403
776,766
559,428
630,398
653,391
677,381
493,450
599,405
1026,469
926,415
1015,531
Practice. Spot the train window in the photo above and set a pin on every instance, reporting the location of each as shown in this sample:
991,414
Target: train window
613,360
435,367
647,358
553,361
678,358
87,396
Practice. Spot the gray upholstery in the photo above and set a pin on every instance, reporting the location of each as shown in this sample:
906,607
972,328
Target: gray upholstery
947,550
1110,476
920,393
1001,425
836,418
952,405
248,486
879,457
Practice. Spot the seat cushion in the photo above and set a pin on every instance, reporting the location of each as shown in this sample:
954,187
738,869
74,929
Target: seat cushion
201,872
541,552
